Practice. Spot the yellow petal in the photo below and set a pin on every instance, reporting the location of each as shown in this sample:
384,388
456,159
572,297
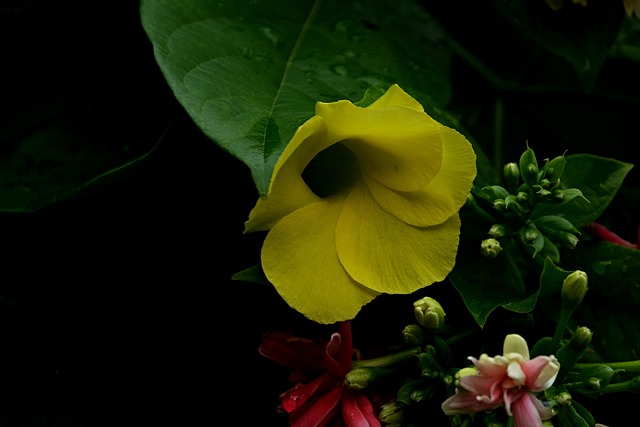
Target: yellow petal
388,255
398,146
444,195
396,96
287,190
299,258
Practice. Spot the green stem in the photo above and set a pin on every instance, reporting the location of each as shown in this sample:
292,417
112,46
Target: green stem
630,366
387,360
560,327
631,386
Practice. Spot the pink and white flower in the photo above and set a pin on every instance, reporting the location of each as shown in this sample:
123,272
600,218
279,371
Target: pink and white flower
510,380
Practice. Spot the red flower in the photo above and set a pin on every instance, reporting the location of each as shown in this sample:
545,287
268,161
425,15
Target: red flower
319,396
603,233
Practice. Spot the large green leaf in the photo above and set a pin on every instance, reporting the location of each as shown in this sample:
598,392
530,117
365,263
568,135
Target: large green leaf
598,178
47,159
610,307
249,72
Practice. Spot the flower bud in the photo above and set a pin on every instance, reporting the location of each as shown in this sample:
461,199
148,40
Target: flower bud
500,205
574,288
494,192
545,183
582,337
511,174
428,313
522,197
555,168
414,335
360,378
568,239
529,167
392,413
497,231
490,248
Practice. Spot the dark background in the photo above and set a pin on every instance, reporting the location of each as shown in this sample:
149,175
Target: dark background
117,305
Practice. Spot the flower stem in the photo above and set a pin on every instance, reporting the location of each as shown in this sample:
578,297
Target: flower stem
565,314
630,366
388,359
632,386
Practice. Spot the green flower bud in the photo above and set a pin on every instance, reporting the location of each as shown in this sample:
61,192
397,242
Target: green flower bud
490,248
428,313
529,167
582,337
497,230
414,335
574,288
392,413
558,195
555,168
500,205
592,383
545,183
568,239
522,197
511,174
493,192
471,370
360,378
569,354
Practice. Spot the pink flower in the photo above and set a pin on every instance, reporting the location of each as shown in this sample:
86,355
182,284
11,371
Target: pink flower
509,380
319,396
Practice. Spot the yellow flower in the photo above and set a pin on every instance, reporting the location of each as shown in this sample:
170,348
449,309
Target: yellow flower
632,7
394,230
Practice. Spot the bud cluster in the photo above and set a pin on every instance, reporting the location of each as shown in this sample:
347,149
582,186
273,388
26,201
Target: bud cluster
514,210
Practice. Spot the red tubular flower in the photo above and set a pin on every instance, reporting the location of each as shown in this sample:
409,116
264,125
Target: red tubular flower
319,396
603,233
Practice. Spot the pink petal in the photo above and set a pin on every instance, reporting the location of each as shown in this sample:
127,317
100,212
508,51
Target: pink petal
488,388
464,402
357,410
486,366
320,412
526,411
540,372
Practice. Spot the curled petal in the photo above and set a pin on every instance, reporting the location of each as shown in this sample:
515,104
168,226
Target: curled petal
388,255
515,372
464,402
443,196
486,389
541,372
397,146
490,366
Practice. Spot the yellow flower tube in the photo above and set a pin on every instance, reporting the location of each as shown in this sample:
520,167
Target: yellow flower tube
394,230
